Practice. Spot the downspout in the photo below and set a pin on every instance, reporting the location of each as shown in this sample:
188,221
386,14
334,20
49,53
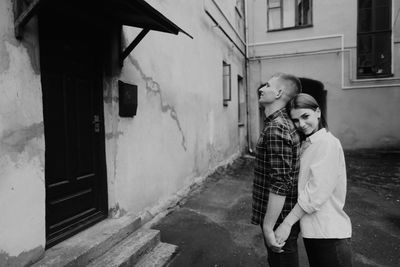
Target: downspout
246,66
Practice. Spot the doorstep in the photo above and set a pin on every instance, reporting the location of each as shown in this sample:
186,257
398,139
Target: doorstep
91,243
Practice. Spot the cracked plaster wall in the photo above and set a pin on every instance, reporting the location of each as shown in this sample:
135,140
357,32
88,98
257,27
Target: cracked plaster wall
181,130
22,190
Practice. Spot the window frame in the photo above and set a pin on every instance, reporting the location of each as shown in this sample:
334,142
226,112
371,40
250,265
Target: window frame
241,101
226,83
296,17
374,33
239,8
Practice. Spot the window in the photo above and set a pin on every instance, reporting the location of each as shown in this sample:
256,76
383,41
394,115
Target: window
286,14
226,83
241,102
374,43
239,7
239,18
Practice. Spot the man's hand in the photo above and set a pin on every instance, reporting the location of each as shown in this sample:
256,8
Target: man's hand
272,243
282,232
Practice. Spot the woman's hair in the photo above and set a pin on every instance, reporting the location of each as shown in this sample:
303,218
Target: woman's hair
308,102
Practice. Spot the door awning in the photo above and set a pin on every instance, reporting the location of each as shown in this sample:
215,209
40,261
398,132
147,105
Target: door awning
137,13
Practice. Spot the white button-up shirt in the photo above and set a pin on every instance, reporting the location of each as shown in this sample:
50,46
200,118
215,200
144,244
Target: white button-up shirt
322,188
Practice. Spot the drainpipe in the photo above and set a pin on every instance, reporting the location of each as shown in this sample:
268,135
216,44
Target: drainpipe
246,66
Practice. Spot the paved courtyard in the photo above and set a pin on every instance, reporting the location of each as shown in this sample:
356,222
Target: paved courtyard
212,225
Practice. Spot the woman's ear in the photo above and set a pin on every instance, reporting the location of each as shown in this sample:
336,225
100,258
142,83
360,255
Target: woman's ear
318,111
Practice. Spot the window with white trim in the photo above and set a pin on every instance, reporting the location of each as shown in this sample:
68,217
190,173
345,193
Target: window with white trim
288,14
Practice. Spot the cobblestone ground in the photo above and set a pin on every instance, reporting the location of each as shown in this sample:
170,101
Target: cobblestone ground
212,226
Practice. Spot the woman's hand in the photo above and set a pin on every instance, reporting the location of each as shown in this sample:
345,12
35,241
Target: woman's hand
269,237
282,232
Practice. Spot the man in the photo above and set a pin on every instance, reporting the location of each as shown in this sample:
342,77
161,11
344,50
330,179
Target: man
276,169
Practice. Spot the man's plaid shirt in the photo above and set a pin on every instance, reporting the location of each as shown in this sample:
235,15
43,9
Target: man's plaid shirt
277,165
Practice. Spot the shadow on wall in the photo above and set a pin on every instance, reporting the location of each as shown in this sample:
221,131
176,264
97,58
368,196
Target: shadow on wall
317,90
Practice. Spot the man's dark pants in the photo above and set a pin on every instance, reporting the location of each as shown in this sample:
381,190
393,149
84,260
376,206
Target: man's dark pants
290,256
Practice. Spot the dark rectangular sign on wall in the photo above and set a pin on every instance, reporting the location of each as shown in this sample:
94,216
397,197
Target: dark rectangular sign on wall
127,99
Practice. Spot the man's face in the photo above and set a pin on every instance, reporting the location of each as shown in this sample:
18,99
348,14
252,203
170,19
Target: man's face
269,92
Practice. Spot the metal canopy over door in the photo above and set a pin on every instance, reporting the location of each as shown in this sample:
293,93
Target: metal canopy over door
75,172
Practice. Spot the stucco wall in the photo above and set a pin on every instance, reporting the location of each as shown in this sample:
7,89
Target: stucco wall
22,190
181,130
360,117
361,113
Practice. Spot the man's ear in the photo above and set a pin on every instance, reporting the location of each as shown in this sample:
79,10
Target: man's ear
279,93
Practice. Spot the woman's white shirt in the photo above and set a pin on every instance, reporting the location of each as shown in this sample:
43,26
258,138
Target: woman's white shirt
322,188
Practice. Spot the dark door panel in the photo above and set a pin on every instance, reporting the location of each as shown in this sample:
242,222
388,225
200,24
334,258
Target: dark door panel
73,111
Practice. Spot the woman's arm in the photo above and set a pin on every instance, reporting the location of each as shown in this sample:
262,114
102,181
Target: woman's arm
283,230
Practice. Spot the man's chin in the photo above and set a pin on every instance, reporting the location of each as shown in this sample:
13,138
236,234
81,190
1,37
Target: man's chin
262,103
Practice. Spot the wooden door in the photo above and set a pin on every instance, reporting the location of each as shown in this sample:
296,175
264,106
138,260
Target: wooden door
75,173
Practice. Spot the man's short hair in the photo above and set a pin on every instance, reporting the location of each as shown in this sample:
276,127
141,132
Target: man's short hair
292,83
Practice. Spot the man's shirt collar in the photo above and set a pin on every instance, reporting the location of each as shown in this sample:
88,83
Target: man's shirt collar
278,113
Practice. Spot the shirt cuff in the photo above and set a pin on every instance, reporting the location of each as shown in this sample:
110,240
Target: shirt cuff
305,205
279,189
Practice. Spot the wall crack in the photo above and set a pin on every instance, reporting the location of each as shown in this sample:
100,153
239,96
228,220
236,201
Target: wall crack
155,88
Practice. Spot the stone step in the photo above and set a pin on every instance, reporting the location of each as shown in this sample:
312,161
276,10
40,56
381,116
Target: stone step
160,256
130,250
82,248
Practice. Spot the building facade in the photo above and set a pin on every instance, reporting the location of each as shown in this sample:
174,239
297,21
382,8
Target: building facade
351,47
92,129
110,110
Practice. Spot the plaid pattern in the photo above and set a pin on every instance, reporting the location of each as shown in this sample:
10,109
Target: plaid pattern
277,165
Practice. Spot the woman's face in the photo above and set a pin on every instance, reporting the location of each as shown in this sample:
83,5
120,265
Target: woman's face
306,120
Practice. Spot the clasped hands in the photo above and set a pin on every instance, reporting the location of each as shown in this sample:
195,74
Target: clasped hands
276,240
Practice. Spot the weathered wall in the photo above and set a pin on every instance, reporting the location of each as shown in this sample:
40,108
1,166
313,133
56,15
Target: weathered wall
181,130
22,190
363,114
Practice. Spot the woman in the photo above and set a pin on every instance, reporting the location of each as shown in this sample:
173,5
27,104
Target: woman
325,227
